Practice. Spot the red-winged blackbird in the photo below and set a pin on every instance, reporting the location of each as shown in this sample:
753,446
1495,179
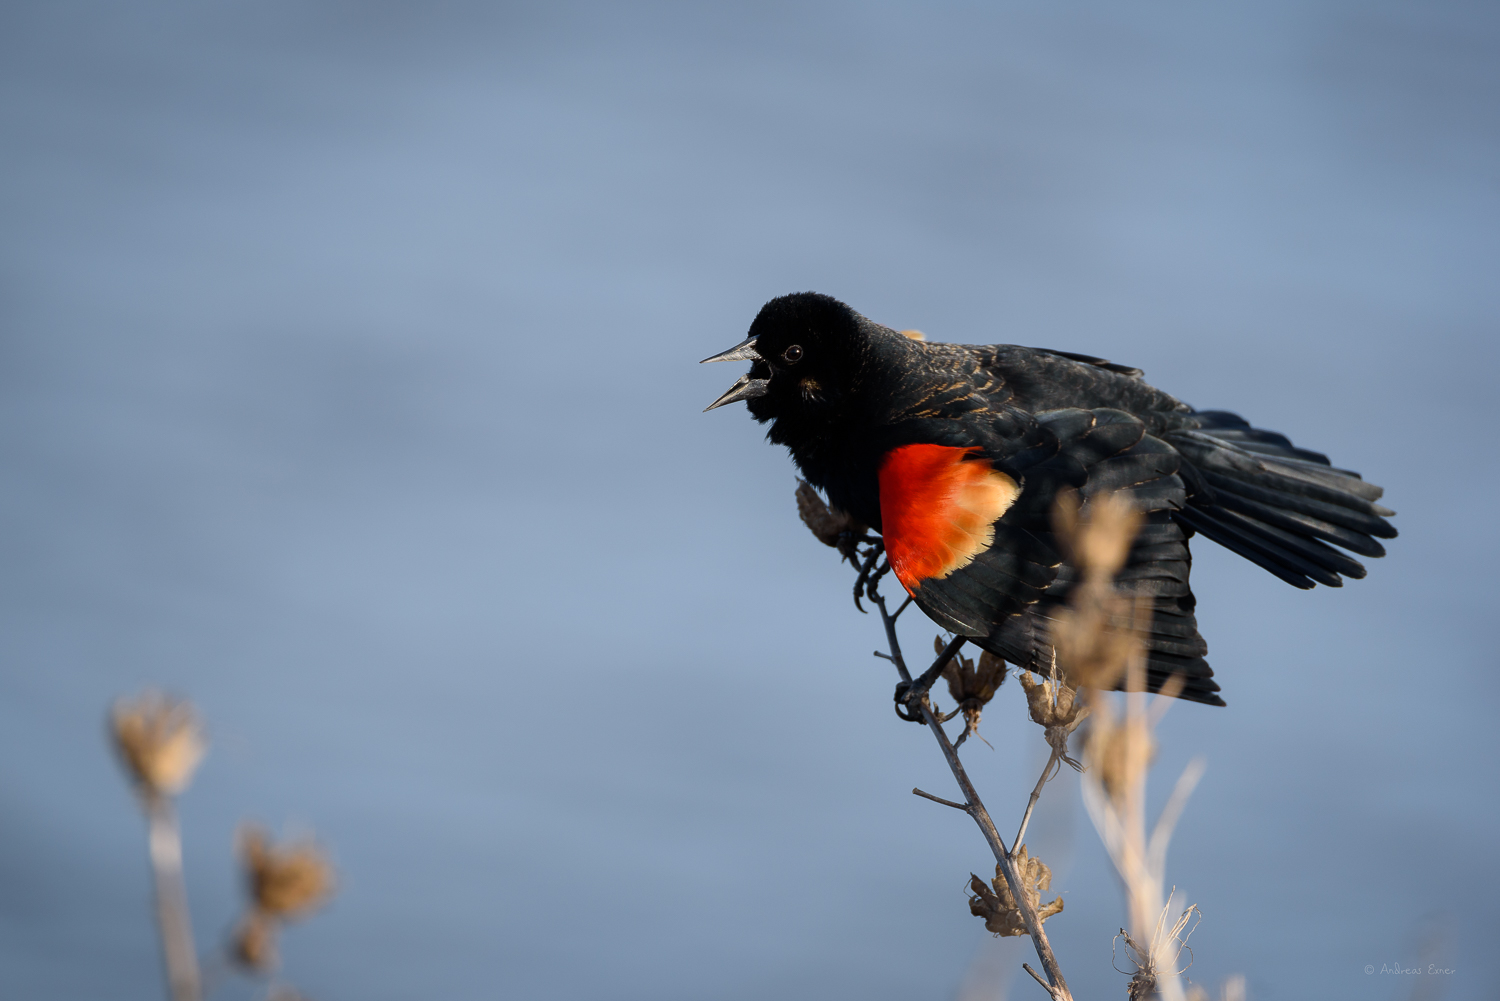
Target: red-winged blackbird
956,454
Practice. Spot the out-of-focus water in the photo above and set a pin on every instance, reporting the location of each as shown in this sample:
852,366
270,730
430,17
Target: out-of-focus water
349,388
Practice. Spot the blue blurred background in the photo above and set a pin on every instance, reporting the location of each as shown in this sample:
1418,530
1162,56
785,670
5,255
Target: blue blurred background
349,388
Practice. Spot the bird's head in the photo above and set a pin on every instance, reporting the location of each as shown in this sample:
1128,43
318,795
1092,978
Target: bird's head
812,358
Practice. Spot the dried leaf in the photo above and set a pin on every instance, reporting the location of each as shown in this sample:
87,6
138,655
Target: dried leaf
971,685
997,905
827,523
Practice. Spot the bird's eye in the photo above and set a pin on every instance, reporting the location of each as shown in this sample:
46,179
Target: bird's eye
792,355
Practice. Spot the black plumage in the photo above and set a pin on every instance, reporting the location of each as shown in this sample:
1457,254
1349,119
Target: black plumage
844,394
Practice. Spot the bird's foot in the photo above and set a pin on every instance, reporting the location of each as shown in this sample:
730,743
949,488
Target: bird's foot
908,707
910,695
871,568
849,540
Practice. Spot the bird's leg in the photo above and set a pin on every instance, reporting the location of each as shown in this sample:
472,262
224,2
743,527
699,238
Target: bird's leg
909,695
871,567
874,581
848,542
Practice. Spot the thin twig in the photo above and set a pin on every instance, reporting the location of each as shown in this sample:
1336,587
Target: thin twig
1058,988
1036,794
889,621
938,799
1045,986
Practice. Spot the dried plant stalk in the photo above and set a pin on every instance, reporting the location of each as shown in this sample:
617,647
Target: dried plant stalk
1006,869
972,686
160,742
179,954
1098,642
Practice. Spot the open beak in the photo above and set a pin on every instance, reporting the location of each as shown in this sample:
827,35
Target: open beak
743,351
745,388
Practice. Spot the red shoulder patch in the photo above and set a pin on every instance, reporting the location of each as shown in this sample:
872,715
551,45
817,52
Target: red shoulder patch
938,509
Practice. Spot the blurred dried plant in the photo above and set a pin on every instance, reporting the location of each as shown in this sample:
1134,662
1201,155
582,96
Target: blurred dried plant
971,685
286,883
998,907
1118,754
1097,643
1233,989
254,943
160,740
1095,634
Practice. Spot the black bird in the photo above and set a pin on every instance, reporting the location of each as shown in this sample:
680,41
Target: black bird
956,453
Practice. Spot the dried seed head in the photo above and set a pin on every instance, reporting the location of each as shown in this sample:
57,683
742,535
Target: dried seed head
1057,709
827,523
998,907
254,942
160,740
286,881
971,685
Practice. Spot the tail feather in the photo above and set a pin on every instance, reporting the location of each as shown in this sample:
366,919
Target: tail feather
1270,488
1259,548
1258,495
1298,522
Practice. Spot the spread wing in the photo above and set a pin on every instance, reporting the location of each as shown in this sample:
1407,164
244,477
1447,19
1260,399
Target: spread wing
998,584
1250,490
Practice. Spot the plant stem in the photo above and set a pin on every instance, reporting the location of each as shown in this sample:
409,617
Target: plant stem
179,954
1056,986
1036,794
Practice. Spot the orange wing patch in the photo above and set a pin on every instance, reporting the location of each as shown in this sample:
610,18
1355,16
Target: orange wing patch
938,511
